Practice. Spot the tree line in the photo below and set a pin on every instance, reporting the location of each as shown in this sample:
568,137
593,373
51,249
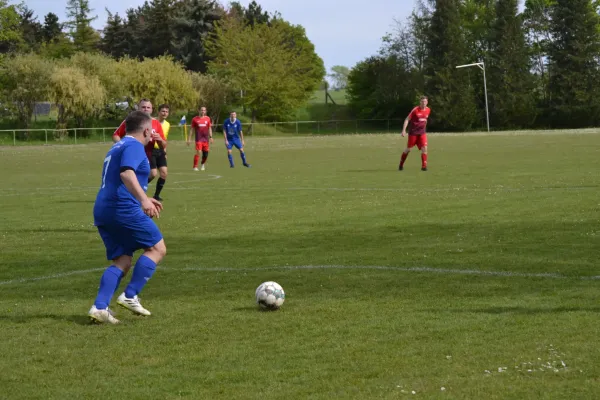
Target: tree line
542,65
181,52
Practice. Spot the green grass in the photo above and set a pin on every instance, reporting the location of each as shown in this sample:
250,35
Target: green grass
524,204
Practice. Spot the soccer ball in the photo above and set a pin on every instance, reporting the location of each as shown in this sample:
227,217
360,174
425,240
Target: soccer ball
270,295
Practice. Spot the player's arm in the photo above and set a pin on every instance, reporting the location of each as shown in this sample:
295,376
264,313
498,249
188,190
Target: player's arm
151,208
119,133
225,134
210,133
406,121
241,133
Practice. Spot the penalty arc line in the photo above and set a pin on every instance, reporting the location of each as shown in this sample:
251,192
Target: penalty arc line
440,271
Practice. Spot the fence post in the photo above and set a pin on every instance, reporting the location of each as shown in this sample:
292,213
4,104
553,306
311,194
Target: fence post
336,126
319,127
14,138
103,135
75,135
355,126
296,127
46,133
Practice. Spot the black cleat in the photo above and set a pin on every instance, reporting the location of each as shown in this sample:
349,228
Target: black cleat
158,198
232,166
424,169
247,165
400,168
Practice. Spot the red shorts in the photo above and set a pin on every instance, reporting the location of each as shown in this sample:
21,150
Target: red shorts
202,146
417,140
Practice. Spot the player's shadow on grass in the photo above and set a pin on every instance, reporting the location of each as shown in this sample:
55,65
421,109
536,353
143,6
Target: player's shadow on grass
249,309
527,310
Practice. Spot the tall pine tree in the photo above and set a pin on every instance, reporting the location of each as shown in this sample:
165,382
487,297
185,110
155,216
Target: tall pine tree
512,104
52,29
451,95
573,66
115,40
84,37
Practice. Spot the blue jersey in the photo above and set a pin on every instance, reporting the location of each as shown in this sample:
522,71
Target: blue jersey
232,129
114,200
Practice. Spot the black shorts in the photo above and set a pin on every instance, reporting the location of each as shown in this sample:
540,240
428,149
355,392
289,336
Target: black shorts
158,159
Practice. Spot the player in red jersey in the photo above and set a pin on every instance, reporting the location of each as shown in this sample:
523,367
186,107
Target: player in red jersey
158,137
417,134
202,127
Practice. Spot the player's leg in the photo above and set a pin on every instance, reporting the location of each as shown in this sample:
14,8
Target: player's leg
229,156
111,278
240,147
197,155
412,140
422,143
205,150
145,234
153,167
162,171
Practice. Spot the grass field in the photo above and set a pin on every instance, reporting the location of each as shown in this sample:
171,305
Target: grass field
476,279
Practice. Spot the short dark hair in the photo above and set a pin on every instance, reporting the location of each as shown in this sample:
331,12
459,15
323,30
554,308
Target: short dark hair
135,120
144,100
164,106
424,98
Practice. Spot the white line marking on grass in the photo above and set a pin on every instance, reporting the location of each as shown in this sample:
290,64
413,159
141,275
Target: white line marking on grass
440,271
48,277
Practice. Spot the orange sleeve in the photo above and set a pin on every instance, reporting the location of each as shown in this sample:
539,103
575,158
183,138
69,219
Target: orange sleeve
120,132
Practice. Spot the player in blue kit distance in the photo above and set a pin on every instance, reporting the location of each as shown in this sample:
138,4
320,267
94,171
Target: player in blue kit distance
232,131
123,215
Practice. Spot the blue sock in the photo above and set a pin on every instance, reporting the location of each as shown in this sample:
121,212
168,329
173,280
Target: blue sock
243,155
142,272
230,159
108,285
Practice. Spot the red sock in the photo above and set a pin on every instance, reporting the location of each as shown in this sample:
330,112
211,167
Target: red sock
403,159
196,158
423,160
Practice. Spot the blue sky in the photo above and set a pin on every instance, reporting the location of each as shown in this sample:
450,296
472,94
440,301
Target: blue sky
343,31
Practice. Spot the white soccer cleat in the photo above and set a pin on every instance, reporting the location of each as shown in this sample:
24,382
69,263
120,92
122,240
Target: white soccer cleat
102,316
202,168
132,305
196,169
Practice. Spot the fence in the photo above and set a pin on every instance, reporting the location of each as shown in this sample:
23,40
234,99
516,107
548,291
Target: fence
94,135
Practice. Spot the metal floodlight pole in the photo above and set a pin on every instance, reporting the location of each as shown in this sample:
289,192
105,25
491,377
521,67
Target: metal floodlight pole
481,65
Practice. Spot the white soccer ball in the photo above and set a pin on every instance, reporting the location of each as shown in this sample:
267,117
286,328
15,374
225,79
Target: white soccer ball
270,295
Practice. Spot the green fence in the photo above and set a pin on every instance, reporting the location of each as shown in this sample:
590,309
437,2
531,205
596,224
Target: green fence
177,132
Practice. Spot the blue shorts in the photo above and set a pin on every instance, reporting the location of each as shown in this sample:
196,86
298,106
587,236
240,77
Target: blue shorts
128,235
234,141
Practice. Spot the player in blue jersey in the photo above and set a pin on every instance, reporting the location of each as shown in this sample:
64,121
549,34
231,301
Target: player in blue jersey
232,131
123,215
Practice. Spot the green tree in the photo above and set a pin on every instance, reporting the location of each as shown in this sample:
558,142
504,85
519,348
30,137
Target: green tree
11,37
512,104
380,87
275,66
450,92
77,96
573,63
536,22
84,37
115,40
52,28
23,82
339,75
160,79
31,29
193,24
212,94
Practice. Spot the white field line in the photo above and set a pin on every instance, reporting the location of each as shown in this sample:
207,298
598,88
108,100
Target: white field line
429,270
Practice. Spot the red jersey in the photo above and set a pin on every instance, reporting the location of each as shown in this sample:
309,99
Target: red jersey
156,128
418,120
201,126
